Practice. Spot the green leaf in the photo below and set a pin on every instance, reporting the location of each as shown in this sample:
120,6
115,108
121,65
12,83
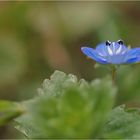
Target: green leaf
123,123
57,84
128,82
67,108
9,111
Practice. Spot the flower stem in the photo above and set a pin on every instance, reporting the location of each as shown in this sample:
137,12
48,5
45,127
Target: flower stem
113,74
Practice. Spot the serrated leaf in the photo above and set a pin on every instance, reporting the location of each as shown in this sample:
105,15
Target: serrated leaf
57,83
67,108
24,123
123,123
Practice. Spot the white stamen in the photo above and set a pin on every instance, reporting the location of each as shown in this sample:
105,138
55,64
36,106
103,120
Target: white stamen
119,50
109,50
114,47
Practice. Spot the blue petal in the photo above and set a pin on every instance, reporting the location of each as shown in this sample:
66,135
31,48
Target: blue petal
102,49
134,51
116,59
132,60
91,53
133,55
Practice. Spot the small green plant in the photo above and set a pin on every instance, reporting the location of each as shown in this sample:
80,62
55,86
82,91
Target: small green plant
68,108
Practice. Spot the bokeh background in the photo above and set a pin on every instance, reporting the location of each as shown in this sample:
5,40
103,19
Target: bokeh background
37,38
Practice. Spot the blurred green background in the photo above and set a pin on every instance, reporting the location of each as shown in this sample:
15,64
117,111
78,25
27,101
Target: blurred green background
37,38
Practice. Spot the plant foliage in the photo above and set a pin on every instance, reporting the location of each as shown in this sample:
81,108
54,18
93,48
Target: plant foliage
66,107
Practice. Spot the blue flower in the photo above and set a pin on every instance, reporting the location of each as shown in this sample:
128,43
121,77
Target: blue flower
112,53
